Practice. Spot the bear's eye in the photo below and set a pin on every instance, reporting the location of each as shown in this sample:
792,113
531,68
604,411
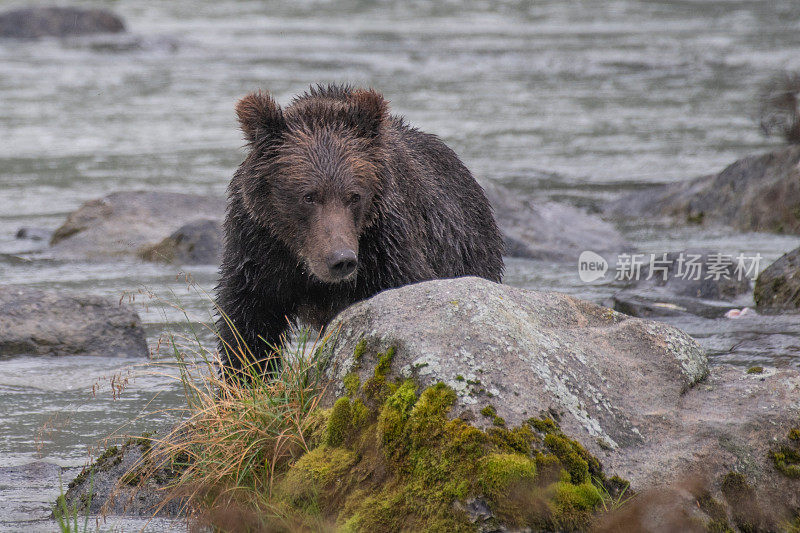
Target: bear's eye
309,198
354,198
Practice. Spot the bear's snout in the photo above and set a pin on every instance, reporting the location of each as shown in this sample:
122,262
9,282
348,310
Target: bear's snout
341,263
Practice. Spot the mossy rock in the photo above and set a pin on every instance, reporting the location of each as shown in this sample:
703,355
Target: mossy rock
778,286
392,459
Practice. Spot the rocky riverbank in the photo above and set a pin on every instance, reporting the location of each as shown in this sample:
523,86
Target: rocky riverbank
533,373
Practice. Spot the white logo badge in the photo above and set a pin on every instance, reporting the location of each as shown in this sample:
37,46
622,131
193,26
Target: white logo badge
591,266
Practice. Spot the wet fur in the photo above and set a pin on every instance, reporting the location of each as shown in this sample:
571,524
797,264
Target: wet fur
423,215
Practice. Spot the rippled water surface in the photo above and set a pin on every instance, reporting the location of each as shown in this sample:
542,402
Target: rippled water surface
576,101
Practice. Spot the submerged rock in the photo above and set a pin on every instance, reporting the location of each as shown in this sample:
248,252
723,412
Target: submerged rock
757,193
195,243
778,286
550,230
37,322
636,394
697,282
124,224
122,482
33,234
36,22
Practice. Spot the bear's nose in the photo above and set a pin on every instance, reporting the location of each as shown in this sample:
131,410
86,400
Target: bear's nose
342,263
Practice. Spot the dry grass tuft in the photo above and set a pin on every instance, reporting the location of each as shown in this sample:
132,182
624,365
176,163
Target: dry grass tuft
240,432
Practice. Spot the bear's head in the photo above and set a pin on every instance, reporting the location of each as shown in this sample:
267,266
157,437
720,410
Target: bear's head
311,177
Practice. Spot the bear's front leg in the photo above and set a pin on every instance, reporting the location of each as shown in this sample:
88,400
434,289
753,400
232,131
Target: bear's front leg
250,327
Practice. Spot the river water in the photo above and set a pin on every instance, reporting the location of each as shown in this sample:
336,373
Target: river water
573,101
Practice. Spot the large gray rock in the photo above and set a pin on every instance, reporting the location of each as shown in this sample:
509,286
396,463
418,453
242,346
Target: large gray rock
36,322
36,22
526,353
757,193
635,393
778,286
127,223
196,243
550,230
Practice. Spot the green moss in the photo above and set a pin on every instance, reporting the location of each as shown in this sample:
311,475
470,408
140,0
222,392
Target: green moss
743,502
425,424
111,457
489,411
375,388
793,526
499,421
499,471
351,384
786,457
713,508
569,456
385,362
108,454
519,439
392,460
393,416
786,461
719,526
359,413
338,422
543,425
459,378
734,484
755,370
550,469
695,218
582,497
316,471
359,350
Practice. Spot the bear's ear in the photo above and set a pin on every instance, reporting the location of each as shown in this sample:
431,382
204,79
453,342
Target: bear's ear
369,112
259,117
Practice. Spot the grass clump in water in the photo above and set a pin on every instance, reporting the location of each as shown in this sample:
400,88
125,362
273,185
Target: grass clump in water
241,433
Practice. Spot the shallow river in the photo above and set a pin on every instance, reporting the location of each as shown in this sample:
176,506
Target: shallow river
576,101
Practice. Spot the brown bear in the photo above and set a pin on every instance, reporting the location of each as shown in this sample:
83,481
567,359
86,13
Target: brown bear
336,201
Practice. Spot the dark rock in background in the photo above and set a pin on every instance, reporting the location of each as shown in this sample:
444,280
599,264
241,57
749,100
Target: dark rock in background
37,322
550,230
778,286
195,243
124,224
757,193
37,22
